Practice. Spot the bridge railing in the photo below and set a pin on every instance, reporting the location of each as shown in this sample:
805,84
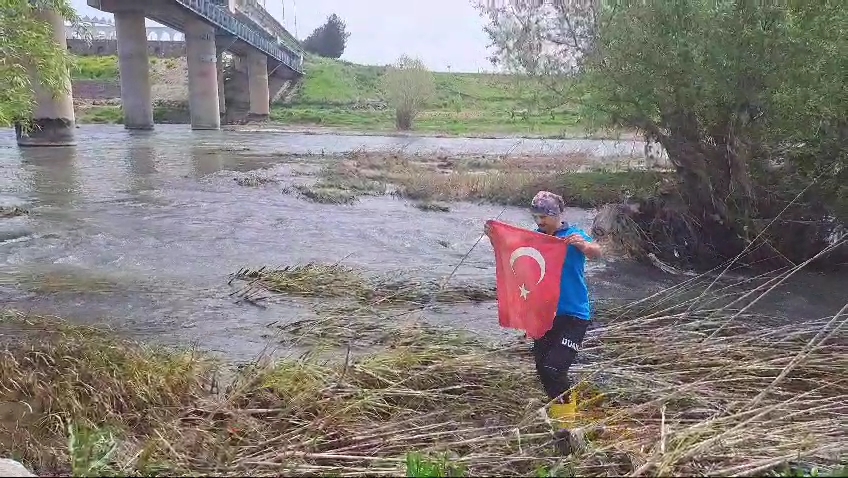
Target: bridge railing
224,20
257,13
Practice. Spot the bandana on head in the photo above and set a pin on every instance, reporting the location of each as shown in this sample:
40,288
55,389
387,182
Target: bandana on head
547,203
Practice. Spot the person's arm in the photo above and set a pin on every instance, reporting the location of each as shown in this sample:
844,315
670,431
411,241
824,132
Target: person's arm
584,244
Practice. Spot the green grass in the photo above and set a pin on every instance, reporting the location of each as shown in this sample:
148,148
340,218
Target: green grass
104,67
347,96
162,114
101,115
95,68
333,82
330,82
418,466
431,122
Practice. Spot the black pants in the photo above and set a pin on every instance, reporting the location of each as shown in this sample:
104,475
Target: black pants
556,351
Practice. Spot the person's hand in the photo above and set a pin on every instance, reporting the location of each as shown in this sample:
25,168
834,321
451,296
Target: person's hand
591,250
575,240
487,228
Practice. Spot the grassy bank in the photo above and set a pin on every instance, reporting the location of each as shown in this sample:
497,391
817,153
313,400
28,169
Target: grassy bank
163,113
508,181
106,67
685,390
346,95
336,94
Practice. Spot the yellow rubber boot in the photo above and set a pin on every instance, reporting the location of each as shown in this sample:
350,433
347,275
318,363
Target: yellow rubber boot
567,437
565,414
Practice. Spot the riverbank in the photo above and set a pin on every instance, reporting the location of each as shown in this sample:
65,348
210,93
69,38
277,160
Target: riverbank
670,387
429,370
346,97
510,181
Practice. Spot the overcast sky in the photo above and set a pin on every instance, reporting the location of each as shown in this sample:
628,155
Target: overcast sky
443,33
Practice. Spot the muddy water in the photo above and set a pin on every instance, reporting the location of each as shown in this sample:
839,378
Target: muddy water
141,230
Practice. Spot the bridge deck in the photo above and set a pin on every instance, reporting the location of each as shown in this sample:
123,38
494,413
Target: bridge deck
227,24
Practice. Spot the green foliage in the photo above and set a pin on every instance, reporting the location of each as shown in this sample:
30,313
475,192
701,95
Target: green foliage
744,96
347,95
795,472
95,68
26,42
102,115
328,40
408,86
91,451
765,79
338,83
418,466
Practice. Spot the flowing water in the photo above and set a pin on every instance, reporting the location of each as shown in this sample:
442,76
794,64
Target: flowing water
141,230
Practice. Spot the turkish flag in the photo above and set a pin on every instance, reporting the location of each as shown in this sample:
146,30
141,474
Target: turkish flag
529,271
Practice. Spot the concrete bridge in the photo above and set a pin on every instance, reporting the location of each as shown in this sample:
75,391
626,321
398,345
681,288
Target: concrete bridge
261,47
104,29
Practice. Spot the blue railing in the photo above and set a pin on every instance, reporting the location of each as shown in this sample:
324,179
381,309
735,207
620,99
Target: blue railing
224,20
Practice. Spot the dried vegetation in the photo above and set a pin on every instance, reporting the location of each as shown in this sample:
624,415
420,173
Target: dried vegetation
682,383
501,180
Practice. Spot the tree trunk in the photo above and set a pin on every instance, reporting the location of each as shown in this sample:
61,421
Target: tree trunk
403,120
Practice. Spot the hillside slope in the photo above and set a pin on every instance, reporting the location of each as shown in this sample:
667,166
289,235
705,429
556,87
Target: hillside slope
345,95
341,94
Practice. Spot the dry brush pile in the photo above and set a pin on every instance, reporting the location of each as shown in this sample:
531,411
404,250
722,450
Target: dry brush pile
343,282
692,384
502,180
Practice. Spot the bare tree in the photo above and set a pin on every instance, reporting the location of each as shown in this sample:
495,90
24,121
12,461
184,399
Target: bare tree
408,86
544,43
545,40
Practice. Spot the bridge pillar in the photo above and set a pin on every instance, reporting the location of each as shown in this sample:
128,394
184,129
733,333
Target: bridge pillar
53,121
202,75
222,103
135,69
257,81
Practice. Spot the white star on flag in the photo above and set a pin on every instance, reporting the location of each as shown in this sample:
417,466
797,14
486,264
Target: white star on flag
524,292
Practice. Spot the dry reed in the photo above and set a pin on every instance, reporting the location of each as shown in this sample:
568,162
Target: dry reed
338,281
692,383
510,180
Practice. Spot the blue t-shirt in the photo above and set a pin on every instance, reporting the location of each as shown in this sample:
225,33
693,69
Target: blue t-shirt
573,293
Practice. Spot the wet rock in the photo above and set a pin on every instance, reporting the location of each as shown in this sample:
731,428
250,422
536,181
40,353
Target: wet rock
254,179
6,212
327,195
430,206
13,468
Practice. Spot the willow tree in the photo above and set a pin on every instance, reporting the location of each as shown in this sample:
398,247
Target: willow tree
749,99
27,46
408,86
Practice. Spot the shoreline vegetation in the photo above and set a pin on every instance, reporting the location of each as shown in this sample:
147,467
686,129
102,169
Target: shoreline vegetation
685,382
639,211
341,97
583,181
688,381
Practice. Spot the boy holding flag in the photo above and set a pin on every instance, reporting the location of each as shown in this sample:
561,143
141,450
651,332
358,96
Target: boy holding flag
542,290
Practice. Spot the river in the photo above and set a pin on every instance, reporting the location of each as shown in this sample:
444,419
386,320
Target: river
141,229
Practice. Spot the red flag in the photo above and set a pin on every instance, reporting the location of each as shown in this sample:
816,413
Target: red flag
529,270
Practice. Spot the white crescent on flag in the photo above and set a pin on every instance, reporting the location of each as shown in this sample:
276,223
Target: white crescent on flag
532,253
